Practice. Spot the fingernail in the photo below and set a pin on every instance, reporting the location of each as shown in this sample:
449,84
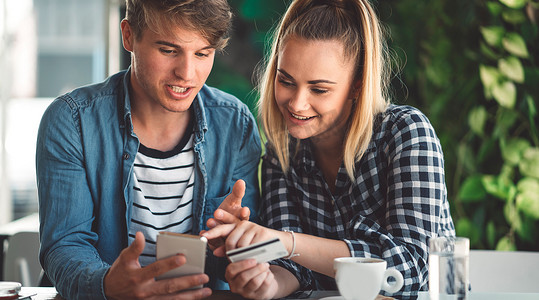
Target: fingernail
179,259
206,293
219,214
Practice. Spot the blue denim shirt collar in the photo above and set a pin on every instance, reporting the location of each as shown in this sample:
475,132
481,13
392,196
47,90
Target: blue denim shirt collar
126,118
201,126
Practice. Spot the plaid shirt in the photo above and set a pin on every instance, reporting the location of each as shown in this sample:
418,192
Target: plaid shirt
396,202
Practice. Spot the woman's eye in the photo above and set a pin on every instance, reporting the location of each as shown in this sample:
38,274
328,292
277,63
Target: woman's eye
319,91
285,82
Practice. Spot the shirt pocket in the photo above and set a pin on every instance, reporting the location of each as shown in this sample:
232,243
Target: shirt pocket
211,205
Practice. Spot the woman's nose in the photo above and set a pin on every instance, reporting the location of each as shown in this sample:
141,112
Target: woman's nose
299,101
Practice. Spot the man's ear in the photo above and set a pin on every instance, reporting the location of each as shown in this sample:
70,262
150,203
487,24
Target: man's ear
127,35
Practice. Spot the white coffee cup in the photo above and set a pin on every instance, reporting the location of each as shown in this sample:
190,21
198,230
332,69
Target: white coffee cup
362,278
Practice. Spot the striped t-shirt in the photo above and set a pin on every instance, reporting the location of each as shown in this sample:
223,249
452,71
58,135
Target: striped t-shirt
163,194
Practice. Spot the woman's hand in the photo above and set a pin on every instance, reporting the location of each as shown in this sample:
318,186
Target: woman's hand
251,280
241,234
246,277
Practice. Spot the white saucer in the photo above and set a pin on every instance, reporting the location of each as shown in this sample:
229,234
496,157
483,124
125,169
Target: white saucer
333,298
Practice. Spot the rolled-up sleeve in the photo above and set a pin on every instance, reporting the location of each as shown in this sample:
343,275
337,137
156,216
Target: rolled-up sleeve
67,252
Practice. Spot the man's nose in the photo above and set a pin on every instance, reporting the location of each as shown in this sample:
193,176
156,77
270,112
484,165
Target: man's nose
185,68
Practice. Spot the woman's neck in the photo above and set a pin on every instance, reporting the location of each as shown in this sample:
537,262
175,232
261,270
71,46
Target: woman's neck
328,153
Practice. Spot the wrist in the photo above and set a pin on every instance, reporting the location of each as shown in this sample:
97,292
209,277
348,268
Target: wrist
292,250
285,283
286,239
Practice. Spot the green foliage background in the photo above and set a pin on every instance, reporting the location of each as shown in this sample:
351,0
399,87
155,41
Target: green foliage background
472,67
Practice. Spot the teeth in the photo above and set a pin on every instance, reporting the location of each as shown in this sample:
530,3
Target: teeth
178,89
300,117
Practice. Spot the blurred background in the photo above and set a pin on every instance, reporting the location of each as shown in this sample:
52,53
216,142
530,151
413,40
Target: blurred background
470,65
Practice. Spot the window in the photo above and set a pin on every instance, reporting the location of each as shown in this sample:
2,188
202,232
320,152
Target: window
48,47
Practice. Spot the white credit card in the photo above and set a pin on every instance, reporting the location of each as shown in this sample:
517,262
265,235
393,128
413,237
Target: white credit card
261,252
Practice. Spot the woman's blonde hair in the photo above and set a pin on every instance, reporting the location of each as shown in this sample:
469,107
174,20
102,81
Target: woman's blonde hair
354,24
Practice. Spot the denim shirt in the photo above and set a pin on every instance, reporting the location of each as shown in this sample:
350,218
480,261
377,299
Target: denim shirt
86,149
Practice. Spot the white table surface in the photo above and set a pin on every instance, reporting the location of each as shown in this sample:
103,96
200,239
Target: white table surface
425,296
43,293
491,296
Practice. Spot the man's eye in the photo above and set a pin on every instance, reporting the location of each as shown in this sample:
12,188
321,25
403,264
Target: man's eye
202,54
166,51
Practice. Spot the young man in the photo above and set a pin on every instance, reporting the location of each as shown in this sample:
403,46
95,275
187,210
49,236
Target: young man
149,149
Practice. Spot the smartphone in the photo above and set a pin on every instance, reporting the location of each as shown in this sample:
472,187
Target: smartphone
192,246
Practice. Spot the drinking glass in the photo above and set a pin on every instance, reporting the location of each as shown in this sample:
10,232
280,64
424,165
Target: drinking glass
448,268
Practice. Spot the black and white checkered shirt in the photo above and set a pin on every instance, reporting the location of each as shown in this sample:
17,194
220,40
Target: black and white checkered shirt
396,202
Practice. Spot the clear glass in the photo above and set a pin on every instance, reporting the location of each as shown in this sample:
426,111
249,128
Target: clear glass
448,268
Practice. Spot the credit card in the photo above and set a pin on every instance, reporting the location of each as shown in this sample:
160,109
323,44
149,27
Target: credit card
261,252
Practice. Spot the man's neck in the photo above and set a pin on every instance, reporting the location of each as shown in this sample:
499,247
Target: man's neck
161,130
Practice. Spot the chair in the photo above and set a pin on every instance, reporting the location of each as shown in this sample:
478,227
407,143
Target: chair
501,271
21,261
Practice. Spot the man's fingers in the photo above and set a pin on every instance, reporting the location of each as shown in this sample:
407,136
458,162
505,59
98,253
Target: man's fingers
222,230
224,217
212,222
188,295
220,251
135,249
162,266
194,294
245,213
175,285
221,216
238,191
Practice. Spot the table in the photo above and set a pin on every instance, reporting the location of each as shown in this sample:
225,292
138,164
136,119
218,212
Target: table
48,293
39,293
27,224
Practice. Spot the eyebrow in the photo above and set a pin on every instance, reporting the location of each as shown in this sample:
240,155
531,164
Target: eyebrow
164,43
309,82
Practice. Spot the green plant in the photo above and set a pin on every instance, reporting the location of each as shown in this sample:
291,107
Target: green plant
471,67
504,190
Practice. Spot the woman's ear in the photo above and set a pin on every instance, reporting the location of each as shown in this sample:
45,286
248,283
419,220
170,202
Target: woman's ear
355,90
127,35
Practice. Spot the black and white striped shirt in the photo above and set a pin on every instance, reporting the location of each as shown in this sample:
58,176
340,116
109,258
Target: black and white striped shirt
163,194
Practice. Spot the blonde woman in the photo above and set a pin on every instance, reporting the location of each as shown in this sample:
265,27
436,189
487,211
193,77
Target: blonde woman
346,173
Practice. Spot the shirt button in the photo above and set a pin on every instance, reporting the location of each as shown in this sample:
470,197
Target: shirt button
125,156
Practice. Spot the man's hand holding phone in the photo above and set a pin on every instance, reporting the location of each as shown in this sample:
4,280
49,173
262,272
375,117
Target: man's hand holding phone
126,279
